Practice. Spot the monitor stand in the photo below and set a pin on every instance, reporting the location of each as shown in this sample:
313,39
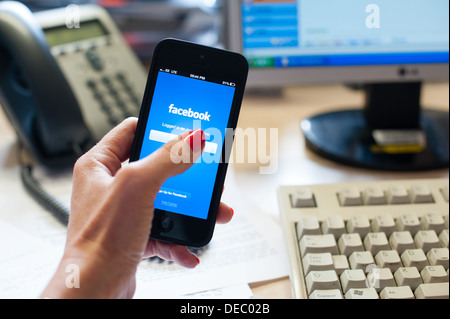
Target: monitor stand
392,132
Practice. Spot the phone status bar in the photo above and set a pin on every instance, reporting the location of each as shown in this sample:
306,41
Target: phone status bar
198,77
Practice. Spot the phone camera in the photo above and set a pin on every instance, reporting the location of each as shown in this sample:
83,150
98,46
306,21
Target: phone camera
202,57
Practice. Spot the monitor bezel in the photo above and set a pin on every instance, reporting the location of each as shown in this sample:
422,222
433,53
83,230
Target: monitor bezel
282,77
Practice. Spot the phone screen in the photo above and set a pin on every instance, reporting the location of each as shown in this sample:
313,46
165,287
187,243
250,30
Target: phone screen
183,102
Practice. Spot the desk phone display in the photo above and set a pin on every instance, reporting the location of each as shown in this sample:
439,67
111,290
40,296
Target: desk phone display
66,78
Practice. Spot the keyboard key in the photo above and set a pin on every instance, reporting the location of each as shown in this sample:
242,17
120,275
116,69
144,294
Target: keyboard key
408,276
384,224
432,222
322,280
350,243
317,244
359,224
334,225
426,239
398,195
374,195
438,256
326,294
403,292
443,238
392,241
308,225
414,258
401,241
434,274
408,222
421,194
362,293
351,279
376,242
380,278
361,260
340,264
433,291
317,262
350,196
303,198
388,259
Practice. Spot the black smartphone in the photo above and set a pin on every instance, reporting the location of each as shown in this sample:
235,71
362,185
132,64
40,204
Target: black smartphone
191,87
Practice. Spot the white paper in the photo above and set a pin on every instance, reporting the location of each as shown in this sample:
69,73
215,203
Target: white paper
26,264
249,249
18,208
245,251
235,292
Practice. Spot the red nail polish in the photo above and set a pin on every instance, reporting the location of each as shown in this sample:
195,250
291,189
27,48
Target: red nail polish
198,260
196,140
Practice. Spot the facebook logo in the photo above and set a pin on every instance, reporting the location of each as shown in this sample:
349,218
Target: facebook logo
189,113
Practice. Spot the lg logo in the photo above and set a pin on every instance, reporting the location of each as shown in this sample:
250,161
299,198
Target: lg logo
373,20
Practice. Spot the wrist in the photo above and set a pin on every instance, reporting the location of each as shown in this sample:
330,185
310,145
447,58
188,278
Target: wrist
90,275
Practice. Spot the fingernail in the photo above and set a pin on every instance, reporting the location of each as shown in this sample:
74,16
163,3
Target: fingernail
232,212
196,140
198,260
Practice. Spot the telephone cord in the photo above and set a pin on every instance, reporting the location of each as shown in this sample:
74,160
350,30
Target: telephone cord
34,188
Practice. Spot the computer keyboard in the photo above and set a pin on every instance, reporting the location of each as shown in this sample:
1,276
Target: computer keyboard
382,239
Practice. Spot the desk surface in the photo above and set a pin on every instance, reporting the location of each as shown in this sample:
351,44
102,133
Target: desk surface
296,165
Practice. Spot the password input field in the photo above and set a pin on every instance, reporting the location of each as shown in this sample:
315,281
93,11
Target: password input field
163,137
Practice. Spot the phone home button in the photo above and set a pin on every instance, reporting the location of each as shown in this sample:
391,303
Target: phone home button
166,224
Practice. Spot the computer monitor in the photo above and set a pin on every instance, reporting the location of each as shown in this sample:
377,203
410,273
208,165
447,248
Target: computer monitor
387,47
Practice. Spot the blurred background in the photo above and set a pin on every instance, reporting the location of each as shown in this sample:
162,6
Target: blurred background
145,22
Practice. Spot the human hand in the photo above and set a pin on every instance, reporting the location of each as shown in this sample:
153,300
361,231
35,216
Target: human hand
112,212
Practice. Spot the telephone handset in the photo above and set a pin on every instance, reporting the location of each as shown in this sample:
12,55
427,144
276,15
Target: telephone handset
63,87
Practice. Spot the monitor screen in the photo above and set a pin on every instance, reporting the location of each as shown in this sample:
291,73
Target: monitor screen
285,35
390,46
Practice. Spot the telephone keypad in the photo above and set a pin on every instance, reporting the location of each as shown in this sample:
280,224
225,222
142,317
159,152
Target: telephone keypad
115,96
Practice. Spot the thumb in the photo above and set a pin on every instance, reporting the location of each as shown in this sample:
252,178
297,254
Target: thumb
173,158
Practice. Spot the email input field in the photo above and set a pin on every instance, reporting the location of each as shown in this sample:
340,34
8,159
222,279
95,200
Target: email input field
163,137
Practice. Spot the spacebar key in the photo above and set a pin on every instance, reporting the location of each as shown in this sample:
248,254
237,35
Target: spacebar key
432,291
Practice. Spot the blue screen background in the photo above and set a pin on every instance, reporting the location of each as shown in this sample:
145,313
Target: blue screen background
194,187
310,33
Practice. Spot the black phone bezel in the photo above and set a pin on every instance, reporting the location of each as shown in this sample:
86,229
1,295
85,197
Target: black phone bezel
213,63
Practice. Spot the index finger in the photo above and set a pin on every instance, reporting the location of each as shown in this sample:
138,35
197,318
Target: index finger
113,149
